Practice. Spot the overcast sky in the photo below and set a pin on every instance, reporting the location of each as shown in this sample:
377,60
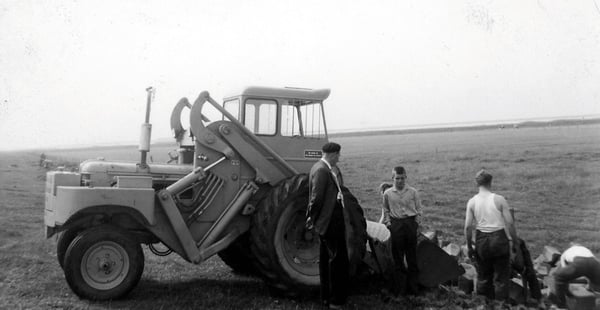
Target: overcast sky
75,72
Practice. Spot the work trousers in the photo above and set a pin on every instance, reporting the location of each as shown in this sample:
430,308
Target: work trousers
493,264
333,261
588,267
404,247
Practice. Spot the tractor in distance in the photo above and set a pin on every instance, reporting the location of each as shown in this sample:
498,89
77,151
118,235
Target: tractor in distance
239,189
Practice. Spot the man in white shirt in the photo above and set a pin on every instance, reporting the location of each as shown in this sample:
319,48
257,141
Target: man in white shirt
577,261
495,232
401,206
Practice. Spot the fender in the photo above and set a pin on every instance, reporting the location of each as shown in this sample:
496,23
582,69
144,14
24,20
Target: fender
119,216
80,198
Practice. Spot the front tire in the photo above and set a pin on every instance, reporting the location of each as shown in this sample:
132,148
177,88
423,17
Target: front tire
103,263
64,240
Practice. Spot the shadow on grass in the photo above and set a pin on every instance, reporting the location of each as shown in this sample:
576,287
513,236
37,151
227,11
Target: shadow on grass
209,294
240,293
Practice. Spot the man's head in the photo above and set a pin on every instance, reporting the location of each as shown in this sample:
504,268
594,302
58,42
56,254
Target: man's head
399,177
331,152
483,178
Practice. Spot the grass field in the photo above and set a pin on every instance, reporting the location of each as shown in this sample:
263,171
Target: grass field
550,175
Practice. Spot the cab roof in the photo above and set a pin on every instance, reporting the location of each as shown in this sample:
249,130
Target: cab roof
285,92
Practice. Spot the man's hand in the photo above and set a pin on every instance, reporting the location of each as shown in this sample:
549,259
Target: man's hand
513,252
309,223
472,254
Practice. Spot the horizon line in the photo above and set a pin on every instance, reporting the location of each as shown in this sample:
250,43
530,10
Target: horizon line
468,123
433,126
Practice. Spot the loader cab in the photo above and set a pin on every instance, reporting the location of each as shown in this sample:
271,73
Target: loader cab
289,120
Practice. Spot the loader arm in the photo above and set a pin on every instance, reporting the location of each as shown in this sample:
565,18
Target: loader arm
213,241
203,135
270,167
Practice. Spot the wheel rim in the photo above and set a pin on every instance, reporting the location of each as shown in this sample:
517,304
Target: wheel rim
105,265
297,248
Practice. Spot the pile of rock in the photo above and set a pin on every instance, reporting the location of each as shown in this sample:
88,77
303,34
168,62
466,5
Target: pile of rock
449,264
544,264
436,266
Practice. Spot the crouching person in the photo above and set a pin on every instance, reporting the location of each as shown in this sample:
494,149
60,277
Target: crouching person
577,261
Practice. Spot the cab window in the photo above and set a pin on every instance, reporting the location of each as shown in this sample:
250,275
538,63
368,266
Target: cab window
302,118
290,121
260,116
313,122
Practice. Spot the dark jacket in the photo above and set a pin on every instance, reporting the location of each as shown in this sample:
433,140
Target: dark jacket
356,230
322,197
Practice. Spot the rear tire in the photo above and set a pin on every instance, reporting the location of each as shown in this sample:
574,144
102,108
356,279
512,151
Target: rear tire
286,255
103,263
64,240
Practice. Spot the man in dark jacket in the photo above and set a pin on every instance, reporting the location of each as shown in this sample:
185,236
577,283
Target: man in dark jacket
325,215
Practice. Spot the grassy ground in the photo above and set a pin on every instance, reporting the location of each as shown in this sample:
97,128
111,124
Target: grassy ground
551,175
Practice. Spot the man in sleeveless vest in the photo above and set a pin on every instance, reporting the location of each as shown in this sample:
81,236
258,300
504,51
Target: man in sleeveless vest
494,235
325,215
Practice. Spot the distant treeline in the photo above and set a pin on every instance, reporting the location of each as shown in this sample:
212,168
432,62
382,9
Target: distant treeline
529,124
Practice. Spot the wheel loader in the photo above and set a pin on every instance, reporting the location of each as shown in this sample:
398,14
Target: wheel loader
239,189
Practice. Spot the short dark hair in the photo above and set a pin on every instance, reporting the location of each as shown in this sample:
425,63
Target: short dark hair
399,170
331,147
483,178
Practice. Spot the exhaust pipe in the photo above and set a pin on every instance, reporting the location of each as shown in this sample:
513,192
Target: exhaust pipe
146,130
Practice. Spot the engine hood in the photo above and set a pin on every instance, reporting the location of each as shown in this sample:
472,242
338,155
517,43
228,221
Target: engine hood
94,166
